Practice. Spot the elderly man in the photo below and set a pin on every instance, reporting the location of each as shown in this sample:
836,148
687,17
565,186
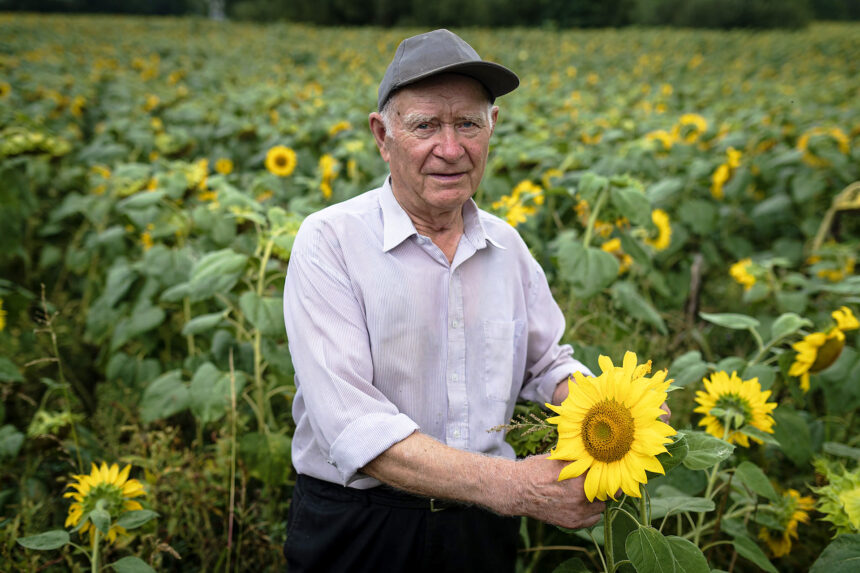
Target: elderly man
415,321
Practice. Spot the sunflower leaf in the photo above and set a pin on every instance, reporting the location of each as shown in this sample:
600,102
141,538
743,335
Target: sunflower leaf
675,454
101,519
131,565
573,565
688,558
45,541
754,478
841,556
747,548
705,450
136,518
649,551
731,320
754,432
787,324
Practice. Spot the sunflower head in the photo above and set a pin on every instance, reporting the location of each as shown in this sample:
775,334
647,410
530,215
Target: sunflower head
281,161
839,499
105,487
609,427
730,403
790,510
819,350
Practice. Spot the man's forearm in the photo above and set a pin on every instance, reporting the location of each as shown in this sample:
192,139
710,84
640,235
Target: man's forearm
421,465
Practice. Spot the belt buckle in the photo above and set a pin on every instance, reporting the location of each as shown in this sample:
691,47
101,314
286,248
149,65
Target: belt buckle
437,505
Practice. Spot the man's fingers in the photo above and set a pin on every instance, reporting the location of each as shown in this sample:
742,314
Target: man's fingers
665,417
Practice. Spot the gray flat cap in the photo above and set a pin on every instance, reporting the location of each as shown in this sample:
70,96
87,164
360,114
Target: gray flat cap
438,52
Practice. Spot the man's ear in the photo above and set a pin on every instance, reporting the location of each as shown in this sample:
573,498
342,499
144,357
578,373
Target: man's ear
377,128
494,117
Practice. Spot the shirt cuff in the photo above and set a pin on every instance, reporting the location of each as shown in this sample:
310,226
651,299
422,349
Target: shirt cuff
364,439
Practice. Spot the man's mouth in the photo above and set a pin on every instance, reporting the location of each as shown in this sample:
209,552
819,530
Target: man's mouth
447,177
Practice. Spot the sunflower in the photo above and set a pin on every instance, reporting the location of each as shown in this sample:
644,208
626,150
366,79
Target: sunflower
743,399
224,166
664,230
3,314
818,350
608,425
281,161
791,510
108,484
739,271
839,499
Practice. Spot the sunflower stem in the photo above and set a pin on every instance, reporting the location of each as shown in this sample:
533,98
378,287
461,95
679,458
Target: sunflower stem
712,479
95,560
597,546
592,220
607,539
643,508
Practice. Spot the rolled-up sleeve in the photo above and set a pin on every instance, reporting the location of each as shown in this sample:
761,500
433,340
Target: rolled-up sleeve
548,361
351,420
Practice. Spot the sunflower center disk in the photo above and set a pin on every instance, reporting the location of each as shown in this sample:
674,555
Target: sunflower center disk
827,354
607,431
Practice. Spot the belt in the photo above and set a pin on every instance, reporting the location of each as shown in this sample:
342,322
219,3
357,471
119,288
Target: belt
380,495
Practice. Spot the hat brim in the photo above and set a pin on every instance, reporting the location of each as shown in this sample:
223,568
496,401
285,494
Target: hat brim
497,79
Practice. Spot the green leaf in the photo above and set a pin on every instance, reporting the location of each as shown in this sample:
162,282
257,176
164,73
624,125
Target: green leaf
202,323
754,432
267,456
649,551
841,556
751,476
101,519
217,272
676,453
131,565
134,519
843,450
265,313
625,296
622,526
662,506
587,270
9,372
688,368
632,203
141,200
688,558
731,320
746,547
210,392
665,190
572,565
786,325
176,293
705,450
164,396
792,433
11,441
45,541
765,374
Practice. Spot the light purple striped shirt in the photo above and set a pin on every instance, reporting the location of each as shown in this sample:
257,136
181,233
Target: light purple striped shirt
388,338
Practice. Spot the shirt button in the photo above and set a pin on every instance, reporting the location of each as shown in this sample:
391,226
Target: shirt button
454,324
456,433
454,377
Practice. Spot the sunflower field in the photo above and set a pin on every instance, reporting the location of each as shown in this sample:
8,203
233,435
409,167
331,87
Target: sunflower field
693,197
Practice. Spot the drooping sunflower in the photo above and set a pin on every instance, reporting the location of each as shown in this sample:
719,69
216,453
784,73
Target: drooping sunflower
791,510
660,218
818,350
608,426
107,483
281,161
743,398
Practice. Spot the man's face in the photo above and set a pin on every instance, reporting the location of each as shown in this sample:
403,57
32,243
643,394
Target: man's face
437,148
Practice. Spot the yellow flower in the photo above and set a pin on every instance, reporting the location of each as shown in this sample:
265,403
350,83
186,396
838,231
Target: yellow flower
664,230
3,314
739,272
146,237
516,211
818,350
339,127
608,426
733,158
224,166
613,247
718,179
691,126
742,400
791,509
5,89
77,106
834,132
151,103
110,485
549,175
281,161
265,195
664,137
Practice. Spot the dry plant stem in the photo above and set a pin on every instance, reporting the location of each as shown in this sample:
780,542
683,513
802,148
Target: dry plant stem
259,388
49,319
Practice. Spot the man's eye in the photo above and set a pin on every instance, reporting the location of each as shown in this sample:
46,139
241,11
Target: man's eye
423,126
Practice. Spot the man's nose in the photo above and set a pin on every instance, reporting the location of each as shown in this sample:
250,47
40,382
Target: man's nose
448,147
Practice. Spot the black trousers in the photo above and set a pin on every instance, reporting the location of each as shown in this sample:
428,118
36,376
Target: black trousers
334,529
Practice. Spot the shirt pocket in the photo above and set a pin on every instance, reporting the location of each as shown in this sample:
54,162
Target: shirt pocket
499,336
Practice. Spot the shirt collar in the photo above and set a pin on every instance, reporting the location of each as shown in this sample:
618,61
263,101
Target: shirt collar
397,226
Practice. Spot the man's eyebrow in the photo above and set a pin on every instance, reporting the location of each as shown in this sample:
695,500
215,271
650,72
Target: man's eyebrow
416,118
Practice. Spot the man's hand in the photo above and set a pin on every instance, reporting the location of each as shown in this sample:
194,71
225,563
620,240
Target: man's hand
540,495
